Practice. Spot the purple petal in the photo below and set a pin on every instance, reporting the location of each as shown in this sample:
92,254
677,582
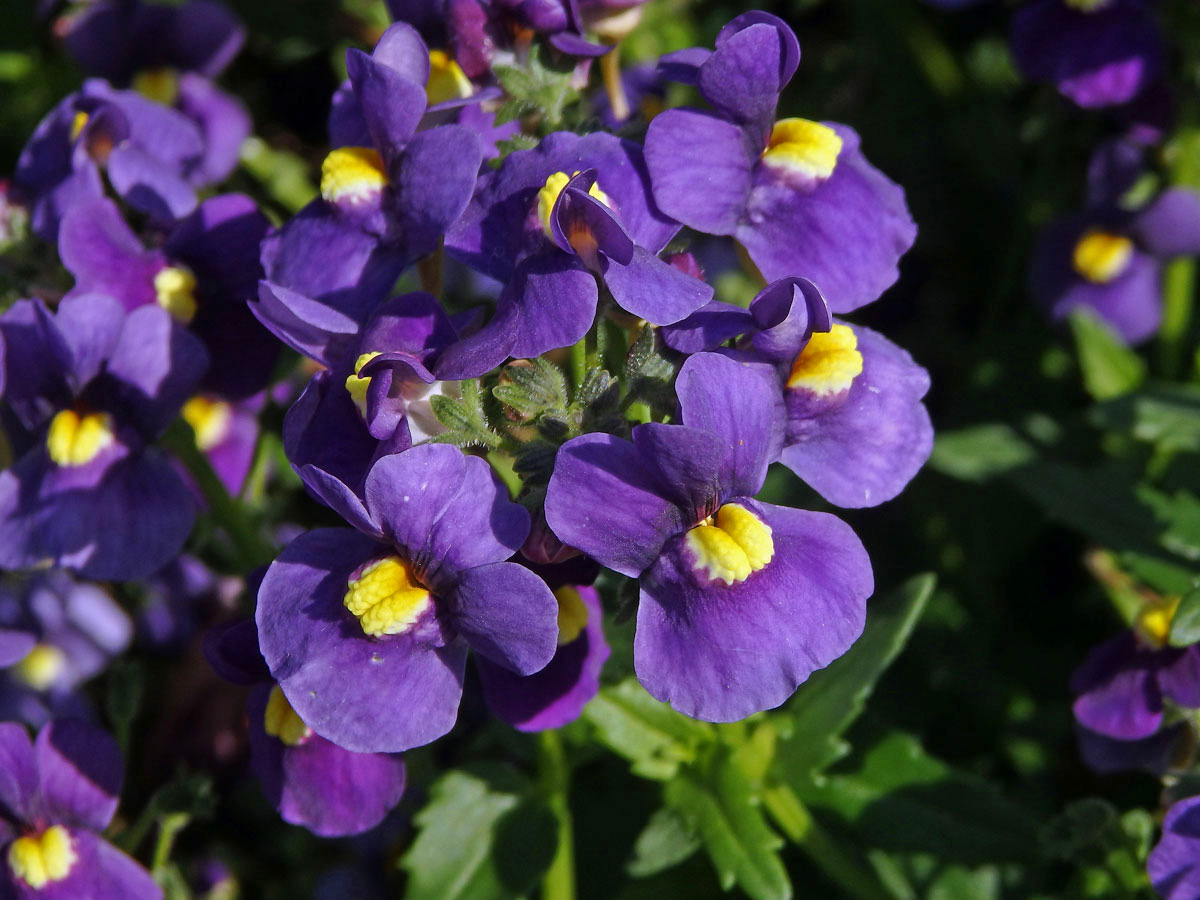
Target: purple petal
741,407
149,185
687,462
224,122
392,104
79,774
654,290
557,694
708,327
1172,864
14,646
105,256
1180,679
37,363
1118,694
103,873
700,168
369,695
91,326
231,648
864,451
1170,226
846,235
330,791
435,179
604,500
789,46
788,311
741,78
400,47
507,614
18,773
721,653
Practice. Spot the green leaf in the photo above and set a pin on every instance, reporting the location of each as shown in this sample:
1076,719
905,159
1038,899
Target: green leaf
718,802
464,417
535,87
123,698
1185,624
1167,415
1109,367
980,452
532,386
901,799
823,708
653,737
484,835
666,841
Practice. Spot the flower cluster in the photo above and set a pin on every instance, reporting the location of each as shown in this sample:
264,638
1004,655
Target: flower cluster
523,391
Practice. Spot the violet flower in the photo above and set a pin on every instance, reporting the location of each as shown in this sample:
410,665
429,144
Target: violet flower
311,782
94,387
542,224
202,275
797,194
740,600
1096,52
1174,863
367,631
57,797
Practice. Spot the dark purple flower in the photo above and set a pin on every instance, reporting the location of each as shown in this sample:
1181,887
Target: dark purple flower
55,633
797,194
146,150
557,694
202,275
227,433
1122,684
740,600
312,782
57,796
1096,52
367,631
545,224
1109,261
373,400
93,387
120,39
1174,863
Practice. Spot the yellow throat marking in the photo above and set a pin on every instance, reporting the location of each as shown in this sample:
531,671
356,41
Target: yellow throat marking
40,859
829,362
732,545
1153,621
804,146
1100,256
357,385
281,721
159,85
572,614
75,440
352,174
175,291
447,81
385,598
41,666
550,191
78,121
209,419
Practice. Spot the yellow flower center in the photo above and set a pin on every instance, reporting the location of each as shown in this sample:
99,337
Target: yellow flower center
829,362
209,419
175,291
159,85
1153,621
41,666
75,440
40,859
78,121
732,545
1087,6
385,598
550,191
281,721
572,614
352,174
357,385
803,146
1100,256
447,81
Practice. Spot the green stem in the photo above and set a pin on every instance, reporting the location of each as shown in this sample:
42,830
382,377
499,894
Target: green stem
851,875
168,829
579,362
559,881
252,549
1179,293
610,71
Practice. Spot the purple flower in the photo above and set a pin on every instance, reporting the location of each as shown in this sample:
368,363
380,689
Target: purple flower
367,631
55,633
58,794
797,194
558,693
145,149
740,600
93,387
1096,52
542,225
227,433
1174,863
310,781
1122,684
203,275
1109,261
